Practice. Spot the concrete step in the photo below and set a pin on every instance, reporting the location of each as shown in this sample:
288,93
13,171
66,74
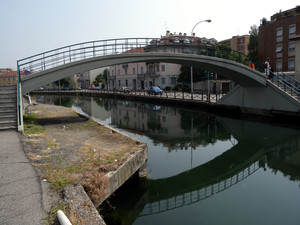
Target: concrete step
9,127
8,96
8,110
8,90
8,116
8,100
4,105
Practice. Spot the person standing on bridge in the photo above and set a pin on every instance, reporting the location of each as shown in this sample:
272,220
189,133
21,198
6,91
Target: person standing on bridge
251,65
267,67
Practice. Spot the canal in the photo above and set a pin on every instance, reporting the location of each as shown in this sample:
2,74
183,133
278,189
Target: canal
203,168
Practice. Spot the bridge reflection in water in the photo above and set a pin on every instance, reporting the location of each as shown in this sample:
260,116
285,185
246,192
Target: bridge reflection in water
255,147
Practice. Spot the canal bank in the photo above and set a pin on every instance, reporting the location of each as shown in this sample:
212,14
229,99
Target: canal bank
78,157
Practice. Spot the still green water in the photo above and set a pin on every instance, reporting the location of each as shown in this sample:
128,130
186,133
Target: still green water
203,168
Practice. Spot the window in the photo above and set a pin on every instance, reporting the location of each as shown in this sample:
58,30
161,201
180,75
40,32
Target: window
163,80
125,71
119,72
157,68
126,83
119,83
173,80
112,72
278,65
279,50
292,30
142,69
279,34
291,64
133,70
292,47
163,67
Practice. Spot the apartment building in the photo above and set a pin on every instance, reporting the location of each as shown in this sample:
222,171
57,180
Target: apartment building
276,39
237,43
9,78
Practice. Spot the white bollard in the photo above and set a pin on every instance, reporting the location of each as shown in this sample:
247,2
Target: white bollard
62,218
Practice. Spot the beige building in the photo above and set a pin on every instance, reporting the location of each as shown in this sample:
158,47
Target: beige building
237,43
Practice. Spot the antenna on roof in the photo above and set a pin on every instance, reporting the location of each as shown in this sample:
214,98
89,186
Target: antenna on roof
166,27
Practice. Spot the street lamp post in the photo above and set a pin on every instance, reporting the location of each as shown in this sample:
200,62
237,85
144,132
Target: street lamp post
192,88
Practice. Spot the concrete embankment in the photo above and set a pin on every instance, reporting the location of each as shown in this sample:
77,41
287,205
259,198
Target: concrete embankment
95,160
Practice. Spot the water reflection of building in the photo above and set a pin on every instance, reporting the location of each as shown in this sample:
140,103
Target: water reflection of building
153,119
91,107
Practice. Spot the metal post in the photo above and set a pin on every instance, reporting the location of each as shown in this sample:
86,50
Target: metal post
18,94
192,88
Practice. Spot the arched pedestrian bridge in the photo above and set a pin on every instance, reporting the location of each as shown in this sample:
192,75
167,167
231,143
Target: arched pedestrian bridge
253,93
59,63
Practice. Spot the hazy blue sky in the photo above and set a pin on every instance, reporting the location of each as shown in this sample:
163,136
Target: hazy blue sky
33,26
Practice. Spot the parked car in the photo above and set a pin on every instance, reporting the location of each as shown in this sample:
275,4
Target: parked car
126,89
97,87
92,87
154,90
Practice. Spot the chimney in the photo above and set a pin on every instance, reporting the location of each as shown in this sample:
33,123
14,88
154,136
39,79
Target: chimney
167,33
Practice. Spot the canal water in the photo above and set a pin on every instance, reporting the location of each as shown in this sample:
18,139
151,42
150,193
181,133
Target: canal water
203,168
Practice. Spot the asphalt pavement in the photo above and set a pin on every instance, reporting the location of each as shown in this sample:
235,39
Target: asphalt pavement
20,188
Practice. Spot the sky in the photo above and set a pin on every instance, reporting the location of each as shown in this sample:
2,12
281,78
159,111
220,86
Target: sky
29,27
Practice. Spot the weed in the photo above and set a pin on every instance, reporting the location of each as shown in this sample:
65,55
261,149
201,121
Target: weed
52,143
110,160
52,218
96,186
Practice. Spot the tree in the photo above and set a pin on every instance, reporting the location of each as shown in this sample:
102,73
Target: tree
253,43
99,79
185,74
65,82
106,74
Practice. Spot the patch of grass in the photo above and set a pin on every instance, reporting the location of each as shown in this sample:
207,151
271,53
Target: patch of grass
77,168
29,117
110,160
59,178
31,128
30,124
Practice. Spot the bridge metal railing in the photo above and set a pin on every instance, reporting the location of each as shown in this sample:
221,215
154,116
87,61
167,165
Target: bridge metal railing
287,83
198,195
85,50
198,96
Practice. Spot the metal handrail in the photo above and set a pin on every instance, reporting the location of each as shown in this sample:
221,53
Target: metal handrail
289,78
284,82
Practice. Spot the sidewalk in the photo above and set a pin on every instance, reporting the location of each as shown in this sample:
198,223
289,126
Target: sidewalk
20,190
